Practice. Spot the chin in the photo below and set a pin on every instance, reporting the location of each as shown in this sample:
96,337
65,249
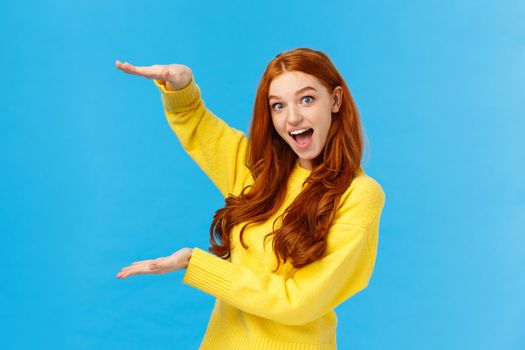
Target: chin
309,156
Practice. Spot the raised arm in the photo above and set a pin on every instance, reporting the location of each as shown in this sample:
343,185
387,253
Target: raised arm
217,148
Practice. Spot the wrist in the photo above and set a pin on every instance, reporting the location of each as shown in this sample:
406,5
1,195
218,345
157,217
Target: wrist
173,86
190,252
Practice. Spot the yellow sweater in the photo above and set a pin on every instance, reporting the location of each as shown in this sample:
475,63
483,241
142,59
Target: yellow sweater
255,308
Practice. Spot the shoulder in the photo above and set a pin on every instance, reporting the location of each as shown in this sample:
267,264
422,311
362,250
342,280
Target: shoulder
365,187
362,202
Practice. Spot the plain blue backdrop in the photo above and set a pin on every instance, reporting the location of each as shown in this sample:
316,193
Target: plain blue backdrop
92,177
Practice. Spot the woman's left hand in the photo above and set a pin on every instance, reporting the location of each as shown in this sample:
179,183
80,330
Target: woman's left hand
176,261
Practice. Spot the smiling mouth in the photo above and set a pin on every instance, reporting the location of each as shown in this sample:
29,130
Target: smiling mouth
303,137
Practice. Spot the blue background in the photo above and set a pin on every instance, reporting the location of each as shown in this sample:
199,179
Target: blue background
92,177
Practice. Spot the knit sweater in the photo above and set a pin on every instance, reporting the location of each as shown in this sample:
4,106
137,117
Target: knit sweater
256,308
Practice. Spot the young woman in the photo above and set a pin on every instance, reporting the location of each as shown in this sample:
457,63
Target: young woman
299,230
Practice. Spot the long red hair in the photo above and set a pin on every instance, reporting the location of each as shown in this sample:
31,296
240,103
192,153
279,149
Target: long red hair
302,235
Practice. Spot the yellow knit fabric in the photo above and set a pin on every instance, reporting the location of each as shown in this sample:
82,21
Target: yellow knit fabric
256,308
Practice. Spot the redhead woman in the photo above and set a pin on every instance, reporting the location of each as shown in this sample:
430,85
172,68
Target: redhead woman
298,233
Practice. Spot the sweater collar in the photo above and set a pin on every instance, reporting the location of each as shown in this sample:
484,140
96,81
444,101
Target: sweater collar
299,174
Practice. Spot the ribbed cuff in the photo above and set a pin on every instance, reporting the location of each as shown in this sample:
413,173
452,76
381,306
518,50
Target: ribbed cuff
209,273
179,100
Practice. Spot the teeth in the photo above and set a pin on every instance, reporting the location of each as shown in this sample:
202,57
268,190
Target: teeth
297,132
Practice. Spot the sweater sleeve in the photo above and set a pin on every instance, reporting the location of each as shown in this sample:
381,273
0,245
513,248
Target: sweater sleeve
218,149
314,289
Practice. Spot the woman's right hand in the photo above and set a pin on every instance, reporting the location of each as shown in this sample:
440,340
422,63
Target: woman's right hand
176,76
176,261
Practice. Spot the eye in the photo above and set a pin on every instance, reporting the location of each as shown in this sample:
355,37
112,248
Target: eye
310,97
275,104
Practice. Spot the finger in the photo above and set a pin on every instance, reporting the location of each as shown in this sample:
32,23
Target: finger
156,71
122,275
135,267
127,68
129,272
129,268
152,72
124,272
143,262
161,262
138,269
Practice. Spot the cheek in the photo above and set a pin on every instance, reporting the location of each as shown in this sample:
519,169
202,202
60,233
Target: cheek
324,125
278,126
321,118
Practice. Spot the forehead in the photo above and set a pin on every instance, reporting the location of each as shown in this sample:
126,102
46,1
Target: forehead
288,83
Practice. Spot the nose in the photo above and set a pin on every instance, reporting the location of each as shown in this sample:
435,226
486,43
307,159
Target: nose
294,116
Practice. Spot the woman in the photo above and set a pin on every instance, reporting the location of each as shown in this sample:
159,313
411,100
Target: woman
299,232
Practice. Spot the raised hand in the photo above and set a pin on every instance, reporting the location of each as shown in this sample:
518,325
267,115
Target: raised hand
176,76
176,261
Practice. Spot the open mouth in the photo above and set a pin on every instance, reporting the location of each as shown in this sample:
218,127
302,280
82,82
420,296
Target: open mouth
303,137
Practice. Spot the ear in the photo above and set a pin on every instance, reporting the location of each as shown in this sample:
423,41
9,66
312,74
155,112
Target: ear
337,98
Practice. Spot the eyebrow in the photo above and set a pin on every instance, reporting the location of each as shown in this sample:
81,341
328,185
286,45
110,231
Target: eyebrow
296,93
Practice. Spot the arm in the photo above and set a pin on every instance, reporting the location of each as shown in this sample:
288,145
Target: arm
313,290
218,149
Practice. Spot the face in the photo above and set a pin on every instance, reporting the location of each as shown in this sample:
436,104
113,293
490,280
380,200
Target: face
299,102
